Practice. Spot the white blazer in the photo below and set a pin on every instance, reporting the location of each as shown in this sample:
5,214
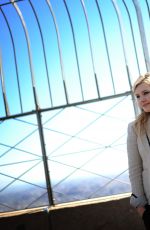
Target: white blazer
139,165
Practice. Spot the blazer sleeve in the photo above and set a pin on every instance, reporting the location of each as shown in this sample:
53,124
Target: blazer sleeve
135,169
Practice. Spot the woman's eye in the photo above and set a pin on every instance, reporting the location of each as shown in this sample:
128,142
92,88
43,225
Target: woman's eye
146,92
137,96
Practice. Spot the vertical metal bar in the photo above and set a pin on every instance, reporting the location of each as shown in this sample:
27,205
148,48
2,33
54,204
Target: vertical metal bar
29,52
37,107
91,51
45,159
15,58
105,40
3,87
44,52
132,36
76,53
59,48
142,34
122,33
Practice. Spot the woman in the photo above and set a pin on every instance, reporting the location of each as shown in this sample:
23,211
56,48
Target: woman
138,147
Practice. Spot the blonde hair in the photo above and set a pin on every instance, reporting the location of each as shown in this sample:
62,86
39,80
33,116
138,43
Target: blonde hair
143,117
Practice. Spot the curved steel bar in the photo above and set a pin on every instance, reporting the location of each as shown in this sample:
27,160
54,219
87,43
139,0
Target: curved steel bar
75,46
133,38
44,52
15,58
148,8
91,50
122,32
29,52
38,114
142,34
3,87
59,48
105,40
121,27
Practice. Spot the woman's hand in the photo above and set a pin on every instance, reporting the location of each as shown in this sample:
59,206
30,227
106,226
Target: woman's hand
140,210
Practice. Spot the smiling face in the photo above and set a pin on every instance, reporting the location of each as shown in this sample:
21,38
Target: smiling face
142,93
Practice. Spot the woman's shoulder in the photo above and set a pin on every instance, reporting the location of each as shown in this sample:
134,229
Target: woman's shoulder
131,123
131,127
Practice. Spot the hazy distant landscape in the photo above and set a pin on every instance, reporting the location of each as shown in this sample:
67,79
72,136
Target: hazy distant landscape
31,196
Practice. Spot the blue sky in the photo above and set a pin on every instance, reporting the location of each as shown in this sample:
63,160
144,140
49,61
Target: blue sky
66,42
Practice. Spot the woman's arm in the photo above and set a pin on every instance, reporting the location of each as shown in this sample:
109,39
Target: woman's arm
135,169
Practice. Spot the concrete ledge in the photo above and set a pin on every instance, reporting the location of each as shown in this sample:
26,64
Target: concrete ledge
109,213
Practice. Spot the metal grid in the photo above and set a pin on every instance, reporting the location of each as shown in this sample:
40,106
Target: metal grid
50,151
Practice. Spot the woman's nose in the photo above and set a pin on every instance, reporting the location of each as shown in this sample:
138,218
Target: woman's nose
142,98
